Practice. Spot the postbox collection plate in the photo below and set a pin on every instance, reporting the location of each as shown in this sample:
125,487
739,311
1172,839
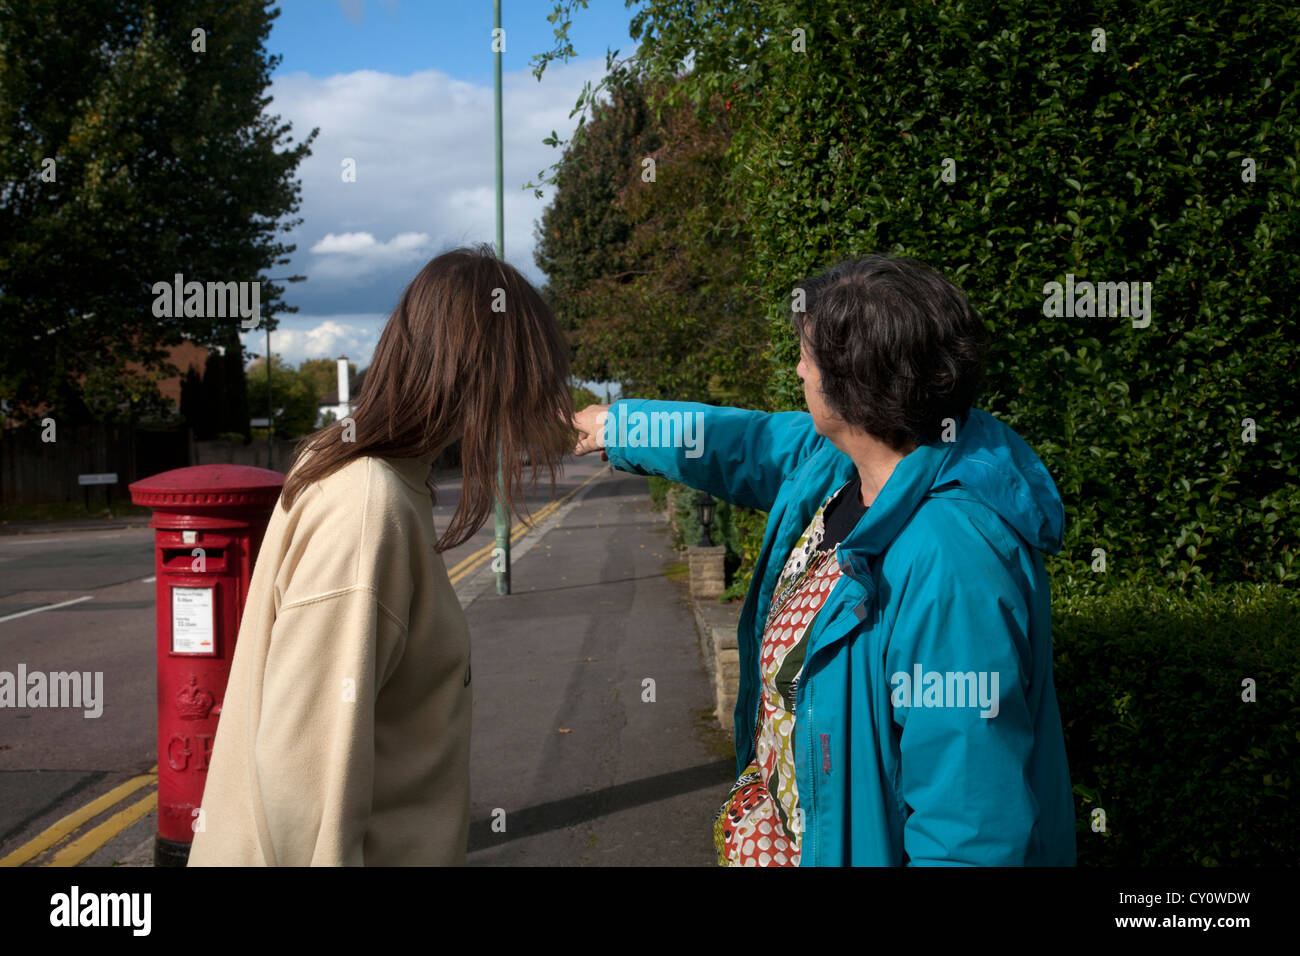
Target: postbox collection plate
194,621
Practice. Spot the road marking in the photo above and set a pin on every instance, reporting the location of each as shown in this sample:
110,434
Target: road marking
475,560
478,558
464,568
149,580
516,531
82,847
47,607
59,831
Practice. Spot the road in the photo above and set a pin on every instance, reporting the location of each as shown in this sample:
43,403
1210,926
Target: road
84,601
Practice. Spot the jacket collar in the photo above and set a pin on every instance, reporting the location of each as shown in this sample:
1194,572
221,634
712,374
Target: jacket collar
987,460
909,483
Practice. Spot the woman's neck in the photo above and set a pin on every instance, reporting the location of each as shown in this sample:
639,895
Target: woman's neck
876,461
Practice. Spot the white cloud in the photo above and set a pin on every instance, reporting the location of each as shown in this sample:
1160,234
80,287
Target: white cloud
351,255
347,242
320,336
424,155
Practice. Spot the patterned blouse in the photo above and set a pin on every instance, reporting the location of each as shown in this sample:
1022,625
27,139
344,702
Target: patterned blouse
760,824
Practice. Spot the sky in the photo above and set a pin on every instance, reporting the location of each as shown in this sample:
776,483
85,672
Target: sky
404,89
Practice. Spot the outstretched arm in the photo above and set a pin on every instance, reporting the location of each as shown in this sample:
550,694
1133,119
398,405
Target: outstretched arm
735,454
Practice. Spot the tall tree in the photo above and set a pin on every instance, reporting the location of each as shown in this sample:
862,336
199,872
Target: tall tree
134,146
294,398
583,233
646,258
324,373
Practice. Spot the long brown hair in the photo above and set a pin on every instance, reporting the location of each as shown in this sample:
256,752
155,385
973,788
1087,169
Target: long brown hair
472,351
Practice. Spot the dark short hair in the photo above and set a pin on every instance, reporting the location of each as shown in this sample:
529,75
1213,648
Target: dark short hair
899,348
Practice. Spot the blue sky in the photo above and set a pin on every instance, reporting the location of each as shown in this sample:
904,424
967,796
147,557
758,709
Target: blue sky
403,90
325,37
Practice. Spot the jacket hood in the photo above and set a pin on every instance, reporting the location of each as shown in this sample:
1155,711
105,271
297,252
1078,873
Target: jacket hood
988,461
995,465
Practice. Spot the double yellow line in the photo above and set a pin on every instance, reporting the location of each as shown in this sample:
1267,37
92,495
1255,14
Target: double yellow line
469,565
70,850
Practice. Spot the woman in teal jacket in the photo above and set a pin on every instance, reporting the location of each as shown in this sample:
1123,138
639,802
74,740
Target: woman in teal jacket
896,703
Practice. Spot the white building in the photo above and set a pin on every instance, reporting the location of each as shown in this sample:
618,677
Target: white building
338,403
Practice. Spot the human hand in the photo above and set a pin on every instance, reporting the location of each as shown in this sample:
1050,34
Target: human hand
590,423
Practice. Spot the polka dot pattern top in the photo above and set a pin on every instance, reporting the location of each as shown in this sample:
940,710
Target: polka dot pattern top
761,824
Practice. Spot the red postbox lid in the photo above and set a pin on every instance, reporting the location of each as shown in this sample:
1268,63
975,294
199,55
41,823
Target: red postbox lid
208,489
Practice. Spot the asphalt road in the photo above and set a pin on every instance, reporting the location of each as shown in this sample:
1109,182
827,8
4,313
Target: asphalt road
585,770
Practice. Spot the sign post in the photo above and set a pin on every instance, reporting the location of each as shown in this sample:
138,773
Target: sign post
108,480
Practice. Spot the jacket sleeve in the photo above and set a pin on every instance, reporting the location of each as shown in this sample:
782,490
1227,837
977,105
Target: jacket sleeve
964,770
735,454
313,749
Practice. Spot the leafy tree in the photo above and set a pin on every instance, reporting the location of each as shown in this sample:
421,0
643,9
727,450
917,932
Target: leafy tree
583,396
117,394
644,260
192,406
131,148
294,398
324,372
583,233
216,403
1007,146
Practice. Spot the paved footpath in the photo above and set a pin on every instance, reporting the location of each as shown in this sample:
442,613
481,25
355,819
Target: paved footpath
570,764
586,770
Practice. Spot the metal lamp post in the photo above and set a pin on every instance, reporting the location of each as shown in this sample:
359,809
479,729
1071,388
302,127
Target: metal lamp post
270,413
704,509
501,522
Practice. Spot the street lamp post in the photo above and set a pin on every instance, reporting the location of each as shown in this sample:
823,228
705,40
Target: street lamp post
501,522
270,413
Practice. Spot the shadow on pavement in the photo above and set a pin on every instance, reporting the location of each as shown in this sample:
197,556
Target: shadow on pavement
585,584
571,811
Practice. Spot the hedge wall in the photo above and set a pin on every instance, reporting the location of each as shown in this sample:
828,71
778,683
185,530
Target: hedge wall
1001,143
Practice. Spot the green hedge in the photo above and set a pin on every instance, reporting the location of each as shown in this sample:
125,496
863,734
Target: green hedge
1174,446
1150,686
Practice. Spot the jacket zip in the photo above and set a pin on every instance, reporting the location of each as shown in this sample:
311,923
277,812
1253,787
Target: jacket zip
809,816
810,828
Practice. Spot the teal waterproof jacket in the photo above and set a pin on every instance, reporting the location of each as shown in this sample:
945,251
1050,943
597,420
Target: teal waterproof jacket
943,582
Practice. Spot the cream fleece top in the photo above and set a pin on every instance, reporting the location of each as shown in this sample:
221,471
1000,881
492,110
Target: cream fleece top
344,732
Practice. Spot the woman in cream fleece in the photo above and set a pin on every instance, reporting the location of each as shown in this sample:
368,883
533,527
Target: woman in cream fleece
344,730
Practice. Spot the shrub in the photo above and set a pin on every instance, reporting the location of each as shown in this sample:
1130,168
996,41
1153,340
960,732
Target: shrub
1000,143
1158,735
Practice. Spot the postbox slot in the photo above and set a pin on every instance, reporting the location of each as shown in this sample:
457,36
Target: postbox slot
184,559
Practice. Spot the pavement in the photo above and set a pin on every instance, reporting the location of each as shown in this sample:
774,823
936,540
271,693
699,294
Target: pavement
594,735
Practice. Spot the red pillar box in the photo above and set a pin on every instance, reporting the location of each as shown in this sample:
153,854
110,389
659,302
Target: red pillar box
208,521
